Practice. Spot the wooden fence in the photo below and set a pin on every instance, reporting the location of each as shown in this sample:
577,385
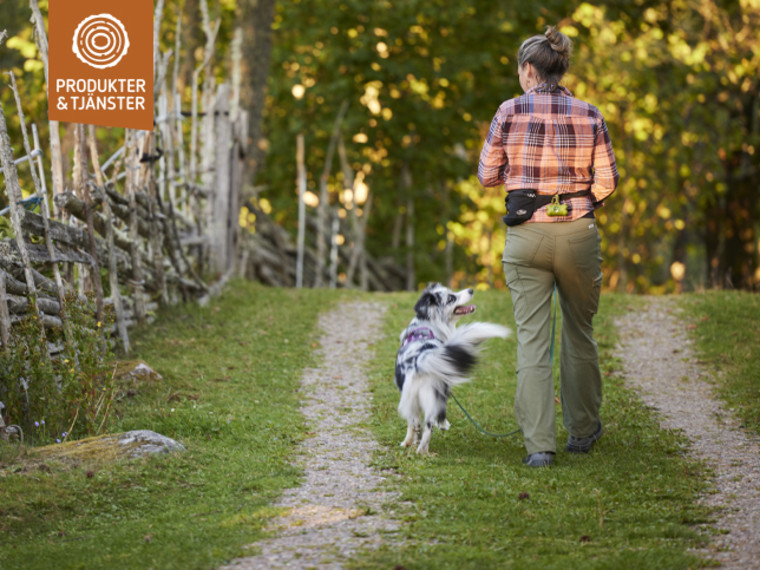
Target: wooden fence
136,230
155,221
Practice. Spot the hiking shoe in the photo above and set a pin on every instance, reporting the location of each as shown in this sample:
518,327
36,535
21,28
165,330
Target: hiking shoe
540,459
583,444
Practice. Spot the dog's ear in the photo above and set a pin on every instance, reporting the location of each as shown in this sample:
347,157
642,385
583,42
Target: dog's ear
424,303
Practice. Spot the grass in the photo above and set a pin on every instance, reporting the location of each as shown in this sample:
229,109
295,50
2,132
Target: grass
630,503
229,393
726,328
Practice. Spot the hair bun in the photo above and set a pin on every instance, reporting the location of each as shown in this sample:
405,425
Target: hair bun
558,41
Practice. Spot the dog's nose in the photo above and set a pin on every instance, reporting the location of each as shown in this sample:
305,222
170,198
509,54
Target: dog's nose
470,291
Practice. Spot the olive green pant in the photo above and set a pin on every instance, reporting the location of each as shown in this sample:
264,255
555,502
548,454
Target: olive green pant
538,256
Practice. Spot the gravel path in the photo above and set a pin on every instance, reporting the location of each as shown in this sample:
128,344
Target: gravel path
342,505
659,363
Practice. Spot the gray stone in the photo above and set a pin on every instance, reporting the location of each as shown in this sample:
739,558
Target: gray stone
145,442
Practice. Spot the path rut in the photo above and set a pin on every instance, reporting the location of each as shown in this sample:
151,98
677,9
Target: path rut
659,363
342,505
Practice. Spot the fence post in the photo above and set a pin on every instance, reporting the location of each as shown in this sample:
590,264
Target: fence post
113,277
56,158
41,192
300,160
14,195
132,166
80,144
5,318
219,223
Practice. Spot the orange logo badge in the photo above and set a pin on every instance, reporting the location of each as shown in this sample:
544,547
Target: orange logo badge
101,62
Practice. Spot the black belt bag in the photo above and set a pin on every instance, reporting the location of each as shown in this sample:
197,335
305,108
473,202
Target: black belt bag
521,204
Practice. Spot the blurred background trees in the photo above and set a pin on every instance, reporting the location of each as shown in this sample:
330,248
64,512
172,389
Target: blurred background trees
410,88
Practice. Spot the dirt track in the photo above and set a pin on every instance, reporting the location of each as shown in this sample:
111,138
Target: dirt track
659,363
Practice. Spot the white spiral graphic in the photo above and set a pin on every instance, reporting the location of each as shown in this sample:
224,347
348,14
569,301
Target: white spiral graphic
100,41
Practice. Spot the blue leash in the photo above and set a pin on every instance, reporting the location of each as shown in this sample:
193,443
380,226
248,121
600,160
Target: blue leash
551,360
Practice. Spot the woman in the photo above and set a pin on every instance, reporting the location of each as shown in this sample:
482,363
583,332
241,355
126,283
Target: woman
553,154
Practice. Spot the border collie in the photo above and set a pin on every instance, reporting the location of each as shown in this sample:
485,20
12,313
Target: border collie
434,356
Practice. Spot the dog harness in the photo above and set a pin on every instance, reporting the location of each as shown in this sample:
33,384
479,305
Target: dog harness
420,333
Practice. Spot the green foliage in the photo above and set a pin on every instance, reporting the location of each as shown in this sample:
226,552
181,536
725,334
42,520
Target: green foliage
419,78
676,81
726,326
6,228
68,396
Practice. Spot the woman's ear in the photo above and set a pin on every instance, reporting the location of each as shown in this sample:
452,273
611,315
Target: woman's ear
530,72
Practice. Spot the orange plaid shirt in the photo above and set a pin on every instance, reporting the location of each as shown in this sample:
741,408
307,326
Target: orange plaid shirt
549,141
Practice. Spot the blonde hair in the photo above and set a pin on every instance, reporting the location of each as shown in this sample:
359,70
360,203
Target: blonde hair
549,54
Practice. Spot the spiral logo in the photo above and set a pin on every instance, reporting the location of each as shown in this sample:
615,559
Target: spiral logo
100,41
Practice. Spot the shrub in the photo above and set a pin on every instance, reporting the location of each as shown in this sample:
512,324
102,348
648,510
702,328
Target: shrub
67,395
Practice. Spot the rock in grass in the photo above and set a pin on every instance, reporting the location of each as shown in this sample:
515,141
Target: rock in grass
138,443
110,447
136,371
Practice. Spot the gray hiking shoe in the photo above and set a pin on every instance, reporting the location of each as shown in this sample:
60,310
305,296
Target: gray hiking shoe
540,459
583,444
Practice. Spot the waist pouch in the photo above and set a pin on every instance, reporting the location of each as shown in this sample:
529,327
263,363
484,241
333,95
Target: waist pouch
521,204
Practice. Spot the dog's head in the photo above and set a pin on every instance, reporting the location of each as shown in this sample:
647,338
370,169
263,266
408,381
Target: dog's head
439,303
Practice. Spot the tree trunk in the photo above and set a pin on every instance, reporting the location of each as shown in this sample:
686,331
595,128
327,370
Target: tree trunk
257,19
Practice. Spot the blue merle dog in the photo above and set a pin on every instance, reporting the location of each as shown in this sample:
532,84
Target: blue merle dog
434,356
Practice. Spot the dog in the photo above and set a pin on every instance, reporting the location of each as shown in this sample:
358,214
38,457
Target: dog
434,356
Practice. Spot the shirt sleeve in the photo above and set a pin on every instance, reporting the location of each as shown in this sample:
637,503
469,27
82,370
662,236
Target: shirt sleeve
605,169
493,160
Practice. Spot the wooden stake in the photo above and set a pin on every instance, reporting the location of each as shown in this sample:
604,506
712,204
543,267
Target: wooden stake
113,276
300,152
218,222
324,197
80,144
56,158
13,191
41,192
5,318
132,166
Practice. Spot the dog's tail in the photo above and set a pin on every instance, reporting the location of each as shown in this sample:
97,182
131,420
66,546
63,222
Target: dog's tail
455,359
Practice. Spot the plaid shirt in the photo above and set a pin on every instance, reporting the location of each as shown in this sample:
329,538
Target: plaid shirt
549,141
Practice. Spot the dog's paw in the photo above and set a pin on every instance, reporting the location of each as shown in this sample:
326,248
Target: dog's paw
406,443
445,425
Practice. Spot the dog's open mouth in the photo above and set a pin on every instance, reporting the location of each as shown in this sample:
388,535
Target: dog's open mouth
464,309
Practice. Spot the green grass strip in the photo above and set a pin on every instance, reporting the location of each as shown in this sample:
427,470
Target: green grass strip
726,328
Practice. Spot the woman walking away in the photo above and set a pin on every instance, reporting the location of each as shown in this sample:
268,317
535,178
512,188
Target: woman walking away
553,154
